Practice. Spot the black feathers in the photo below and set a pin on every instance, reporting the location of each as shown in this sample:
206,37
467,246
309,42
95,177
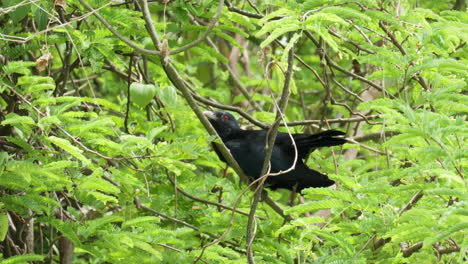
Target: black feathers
248,148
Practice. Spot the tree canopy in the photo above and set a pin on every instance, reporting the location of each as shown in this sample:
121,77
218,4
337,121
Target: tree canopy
105,153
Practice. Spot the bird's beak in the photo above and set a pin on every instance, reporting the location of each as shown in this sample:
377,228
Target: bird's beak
210,115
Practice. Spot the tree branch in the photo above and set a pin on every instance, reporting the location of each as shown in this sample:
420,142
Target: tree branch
271,136
397,44
341,69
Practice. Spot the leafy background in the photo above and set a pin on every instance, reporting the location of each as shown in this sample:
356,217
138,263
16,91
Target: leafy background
103,158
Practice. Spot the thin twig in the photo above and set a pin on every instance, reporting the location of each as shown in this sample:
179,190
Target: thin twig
341,69
129,82
332,121
375,136
139,205
291,123
236,109
314,72
243,12
236,81
355,44
220,205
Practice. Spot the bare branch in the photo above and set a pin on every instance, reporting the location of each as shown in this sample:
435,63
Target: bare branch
408,251
412,202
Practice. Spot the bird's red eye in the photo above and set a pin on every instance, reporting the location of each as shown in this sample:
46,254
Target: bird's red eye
225,117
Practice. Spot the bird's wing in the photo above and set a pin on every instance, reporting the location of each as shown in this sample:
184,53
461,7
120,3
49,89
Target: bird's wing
247,147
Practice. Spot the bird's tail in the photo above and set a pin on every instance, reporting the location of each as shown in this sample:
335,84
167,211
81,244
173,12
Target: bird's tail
323,139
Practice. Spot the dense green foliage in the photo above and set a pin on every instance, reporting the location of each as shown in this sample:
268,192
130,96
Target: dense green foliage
103,161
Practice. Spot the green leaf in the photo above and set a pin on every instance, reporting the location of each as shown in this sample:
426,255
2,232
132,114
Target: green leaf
3,225
95,183
139,220
68,147
3,161
168,95
36,84
284,57
66,228
313,206
279,12
15,120
23,259
20,12
241,20
35,202
41,19
266,117
21,67
324,192
95,225
279,32
21,143
341,241
346,13
300,222
448,232
142,94
148,248
48,121
104,198
227,37
17,174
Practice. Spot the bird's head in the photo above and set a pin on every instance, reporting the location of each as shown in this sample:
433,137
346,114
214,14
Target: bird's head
224,123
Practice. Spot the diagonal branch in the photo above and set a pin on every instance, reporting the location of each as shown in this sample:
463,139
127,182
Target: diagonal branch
341,69
180,84
411,203
271,136
402,50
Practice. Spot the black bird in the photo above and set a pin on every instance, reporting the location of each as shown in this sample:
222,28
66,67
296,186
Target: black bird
248,148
